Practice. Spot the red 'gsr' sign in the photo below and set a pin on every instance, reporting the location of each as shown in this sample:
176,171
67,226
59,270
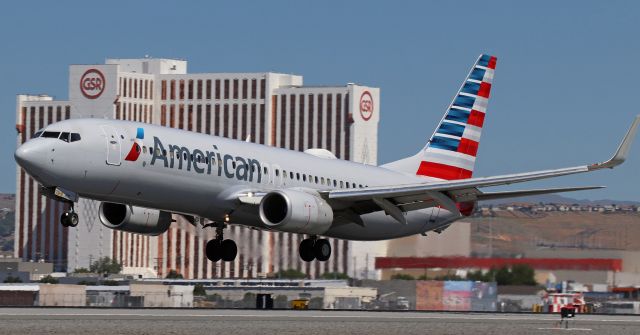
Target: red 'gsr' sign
366,105
92,84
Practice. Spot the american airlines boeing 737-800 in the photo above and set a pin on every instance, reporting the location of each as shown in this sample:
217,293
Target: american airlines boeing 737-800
144,173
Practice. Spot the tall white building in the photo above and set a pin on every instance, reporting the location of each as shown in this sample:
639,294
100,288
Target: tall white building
268,108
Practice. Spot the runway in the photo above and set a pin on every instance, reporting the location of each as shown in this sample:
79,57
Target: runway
231,322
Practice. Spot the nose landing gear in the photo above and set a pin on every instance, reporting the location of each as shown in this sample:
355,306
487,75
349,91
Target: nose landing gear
69,218
221,249
314,248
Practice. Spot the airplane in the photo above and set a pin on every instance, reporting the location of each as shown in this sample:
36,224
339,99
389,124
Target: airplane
143,173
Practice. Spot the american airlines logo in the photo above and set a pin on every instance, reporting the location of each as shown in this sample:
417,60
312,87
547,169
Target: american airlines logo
92,84
366,105
208,162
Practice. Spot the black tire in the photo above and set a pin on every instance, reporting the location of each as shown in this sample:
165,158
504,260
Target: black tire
214,250
64,219
306,250
322,250
73,220
229,250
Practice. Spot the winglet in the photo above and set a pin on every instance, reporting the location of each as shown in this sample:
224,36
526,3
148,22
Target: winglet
623,150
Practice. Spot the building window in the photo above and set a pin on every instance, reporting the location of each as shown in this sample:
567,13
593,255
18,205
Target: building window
199,91
292,122
310,122
124,87
329,121
217,89
190,93
216,124
190,117
181,89
208,95
252,126
301,122
199,118
263,88
163,90
263,114
254,88
339,103
173,90
181,116
245,122
135,88
225,121
146,87
283,121
208,119
245,91
235,89
150,89
172,116
226,88
321,135
163,116
234,123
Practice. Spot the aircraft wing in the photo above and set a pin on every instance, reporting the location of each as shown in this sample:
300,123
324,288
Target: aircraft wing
396,199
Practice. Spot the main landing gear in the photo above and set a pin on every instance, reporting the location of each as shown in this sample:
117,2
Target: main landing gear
69,218
221,249
314,248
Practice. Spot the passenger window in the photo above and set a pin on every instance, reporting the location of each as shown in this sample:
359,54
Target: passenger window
75,137
151,150
347,184
315,179
322,180
304,177
284,174
291,175
64,136
265,170
51,134
144,149
277,172
341,184
164,152
353,185
335,183
360,185
298,175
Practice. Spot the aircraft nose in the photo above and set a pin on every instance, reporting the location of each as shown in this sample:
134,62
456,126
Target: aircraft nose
32,157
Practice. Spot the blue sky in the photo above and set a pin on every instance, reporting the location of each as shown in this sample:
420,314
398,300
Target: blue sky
564,92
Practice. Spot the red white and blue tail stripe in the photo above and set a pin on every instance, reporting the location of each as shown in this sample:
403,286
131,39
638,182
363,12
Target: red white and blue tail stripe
451,151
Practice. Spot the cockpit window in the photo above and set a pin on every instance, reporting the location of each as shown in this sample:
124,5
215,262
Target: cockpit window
75,137
64,136
51,134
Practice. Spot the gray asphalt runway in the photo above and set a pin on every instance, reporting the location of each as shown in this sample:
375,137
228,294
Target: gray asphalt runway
231,322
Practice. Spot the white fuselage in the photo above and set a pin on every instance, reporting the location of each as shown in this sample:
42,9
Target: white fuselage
202,175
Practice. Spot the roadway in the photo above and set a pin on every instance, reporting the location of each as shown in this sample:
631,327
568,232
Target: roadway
95,321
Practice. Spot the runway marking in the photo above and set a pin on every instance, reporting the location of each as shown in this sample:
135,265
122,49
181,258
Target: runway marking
578,329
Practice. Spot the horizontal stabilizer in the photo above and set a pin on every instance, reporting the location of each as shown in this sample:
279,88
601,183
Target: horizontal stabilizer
525,193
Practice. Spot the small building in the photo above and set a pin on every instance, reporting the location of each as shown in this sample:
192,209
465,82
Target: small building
158,295
62,295
18,294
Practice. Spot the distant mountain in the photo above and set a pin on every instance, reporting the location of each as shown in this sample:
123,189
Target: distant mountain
559,199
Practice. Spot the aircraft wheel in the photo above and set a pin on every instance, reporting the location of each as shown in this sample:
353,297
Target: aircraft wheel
306,250
73,220
229,250
214,250
322,249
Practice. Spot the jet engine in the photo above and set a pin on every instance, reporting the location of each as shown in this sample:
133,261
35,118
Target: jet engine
296,212
134,219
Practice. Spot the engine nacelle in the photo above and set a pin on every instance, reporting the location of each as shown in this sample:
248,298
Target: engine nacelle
296,212
134,219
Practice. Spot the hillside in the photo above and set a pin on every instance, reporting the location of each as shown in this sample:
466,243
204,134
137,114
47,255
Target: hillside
511,233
